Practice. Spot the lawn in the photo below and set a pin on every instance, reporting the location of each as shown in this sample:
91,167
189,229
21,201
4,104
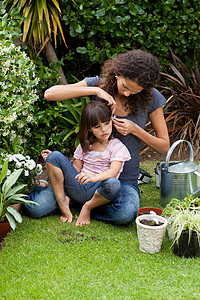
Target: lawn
46,259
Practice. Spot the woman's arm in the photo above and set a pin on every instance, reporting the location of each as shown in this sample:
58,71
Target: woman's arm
76,90
160,142
115,167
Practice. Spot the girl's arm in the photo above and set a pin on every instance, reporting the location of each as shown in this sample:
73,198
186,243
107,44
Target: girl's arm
76,90
115,167
78,164
160,142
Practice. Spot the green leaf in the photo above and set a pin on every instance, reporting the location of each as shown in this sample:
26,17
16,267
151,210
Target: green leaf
4,170
15,214
81,50
15,190
18,199
11,180
11,220
78,28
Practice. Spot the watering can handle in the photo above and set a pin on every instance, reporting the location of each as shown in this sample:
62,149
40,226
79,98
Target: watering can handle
169,153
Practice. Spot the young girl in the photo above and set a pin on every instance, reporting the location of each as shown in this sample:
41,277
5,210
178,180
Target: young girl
99,160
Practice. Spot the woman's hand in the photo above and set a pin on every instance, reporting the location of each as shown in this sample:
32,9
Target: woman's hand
45,153
124,126
105,96
83,178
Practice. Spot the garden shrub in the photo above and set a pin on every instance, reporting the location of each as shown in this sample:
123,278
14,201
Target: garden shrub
99,29
17,96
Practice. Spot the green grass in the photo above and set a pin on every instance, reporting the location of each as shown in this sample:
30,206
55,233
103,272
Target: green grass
46,259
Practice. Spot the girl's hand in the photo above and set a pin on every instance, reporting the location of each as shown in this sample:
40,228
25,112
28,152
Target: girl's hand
45,153
105,96
83,178
124,126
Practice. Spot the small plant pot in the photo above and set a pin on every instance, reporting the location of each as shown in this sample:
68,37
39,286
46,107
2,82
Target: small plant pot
4,229
146,210
150,237
183,248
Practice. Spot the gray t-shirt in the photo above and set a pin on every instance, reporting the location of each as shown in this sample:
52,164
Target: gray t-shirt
130,172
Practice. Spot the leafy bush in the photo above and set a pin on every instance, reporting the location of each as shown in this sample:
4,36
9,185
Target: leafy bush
17,96
99,29
182,111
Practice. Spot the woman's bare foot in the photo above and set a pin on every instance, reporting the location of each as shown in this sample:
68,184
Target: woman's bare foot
67,215
84,217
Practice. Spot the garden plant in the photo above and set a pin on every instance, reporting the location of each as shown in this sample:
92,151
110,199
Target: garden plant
10,194
184,225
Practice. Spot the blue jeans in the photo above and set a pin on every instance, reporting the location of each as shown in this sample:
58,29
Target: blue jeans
124,197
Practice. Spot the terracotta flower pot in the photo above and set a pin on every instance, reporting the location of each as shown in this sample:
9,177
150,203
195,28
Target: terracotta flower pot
146,210
150,237
4,229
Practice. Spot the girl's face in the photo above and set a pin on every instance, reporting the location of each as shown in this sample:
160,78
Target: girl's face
102,131
127,87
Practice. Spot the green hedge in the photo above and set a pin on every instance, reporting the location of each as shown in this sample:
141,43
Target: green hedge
98,29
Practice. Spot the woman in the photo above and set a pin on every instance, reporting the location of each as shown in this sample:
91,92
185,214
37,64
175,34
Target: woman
126,83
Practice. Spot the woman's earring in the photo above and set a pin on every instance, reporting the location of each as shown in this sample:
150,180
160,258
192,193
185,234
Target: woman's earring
116,76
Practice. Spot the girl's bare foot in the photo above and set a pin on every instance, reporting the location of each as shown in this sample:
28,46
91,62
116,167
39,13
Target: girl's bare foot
67,215
42,182
84,217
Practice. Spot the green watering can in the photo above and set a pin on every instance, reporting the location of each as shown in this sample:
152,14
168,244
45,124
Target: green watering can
177,178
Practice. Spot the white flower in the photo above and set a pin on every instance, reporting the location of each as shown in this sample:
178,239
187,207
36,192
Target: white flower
26,172
8,172
38,169
19,156
18,164
29,119
30,164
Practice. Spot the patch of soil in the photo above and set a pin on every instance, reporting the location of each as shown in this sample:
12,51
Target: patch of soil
69,236
150,223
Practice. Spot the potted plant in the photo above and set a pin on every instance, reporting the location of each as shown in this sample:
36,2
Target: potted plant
184,225
148,210
151,231
9,195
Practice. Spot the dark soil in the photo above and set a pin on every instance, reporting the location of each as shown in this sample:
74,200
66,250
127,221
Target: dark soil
69,236
149,223
146,212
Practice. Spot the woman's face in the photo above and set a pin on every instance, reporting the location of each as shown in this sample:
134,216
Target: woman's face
127,87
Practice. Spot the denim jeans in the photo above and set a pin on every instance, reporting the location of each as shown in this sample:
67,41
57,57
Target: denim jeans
124,196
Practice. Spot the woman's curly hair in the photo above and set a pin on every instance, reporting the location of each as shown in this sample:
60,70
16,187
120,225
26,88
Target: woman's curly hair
138,66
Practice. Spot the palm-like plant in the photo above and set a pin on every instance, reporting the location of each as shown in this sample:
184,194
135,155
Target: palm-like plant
183,108
10,194
41,18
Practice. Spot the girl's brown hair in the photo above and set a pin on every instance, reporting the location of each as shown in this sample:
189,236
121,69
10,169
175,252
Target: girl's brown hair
93,113
138,66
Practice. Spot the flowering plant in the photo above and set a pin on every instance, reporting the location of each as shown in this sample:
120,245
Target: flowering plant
17,95
30,168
